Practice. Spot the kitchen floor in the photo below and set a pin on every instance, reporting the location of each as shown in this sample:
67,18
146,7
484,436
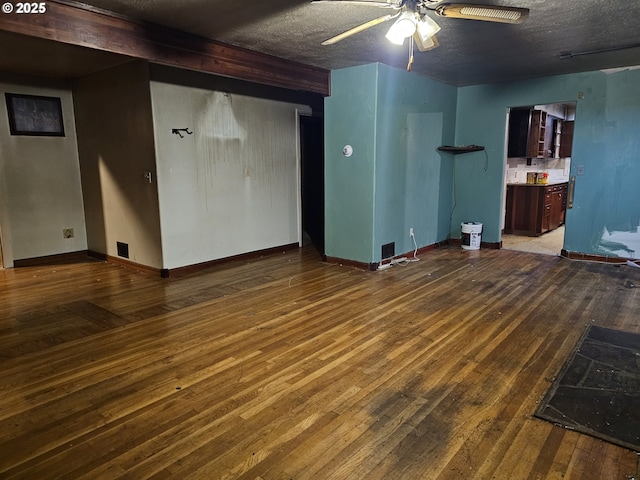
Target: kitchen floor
549,243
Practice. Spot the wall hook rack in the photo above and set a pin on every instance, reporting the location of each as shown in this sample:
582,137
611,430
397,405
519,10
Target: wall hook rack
178,131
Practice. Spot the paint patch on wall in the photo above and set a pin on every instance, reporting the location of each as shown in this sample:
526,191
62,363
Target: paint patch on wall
216,118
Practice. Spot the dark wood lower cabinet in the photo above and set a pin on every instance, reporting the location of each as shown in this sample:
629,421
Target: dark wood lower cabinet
535,209
555,218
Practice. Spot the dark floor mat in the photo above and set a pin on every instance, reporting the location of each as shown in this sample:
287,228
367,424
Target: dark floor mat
598,390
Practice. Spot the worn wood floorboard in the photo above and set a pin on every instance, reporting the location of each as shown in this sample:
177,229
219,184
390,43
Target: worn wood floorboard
285,368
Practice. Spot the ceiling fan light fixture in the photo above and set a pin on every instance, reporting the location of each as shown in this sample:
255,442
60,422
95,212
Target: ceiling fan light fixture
426,28
508,15
486,13
425,45
404,27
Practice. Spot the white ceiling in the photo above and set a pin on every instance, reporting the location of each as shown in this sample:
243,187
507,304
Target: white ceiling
470,52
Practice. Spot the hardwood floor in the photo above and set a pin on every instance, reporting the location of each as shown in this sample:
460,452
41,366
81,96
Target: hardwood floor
287,368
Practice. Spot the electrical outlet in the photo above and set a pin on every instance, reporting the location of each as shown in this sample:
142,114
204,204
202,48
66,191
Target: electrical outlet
411,232
67,232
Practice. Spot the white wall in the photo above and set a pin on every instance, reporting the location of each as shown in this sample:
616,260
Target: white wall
40,191
233,185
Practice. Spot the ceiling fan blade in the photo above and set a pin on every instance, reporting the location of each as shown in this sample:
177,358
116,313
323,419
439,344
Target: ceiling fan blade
361,2
426,44
359,28
487,13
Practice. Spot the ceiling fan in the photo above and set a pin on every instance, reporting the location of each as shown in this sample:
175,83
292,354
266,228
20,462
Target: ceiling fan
412,20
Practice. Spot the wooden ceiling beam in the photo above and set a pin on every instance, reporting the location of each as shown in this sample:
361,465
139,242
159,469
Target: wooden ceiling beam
70,23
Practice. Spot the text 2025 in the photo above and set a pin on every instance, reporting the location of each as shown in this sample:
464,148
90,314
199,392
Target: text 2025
31,7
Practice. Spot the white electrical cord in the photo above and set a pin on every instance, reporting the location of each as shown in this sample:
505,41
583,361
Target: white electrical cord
415,251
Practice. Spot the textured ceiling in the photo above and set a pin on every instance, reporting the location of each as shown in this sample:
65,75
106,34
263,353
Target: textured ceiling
470,52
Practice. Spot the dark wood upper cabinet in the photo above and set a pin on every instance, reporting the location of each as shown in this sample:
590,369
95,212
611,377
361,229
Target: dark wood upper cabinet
518,136
530,133
534,133
566,138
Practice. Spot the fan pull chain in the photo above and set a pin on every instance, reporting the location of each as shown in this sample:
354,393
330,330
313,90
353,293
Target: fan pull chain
410,54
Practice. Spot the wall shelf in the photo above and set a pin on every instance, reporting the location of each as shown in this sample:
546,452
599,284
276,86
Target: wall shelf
460,149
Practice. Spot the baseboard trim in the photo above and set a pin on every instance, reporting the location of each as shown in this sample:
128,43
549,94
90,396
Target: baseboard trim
428,248
486,245
57,259
188,269
595,258
374,265
121,262
350,263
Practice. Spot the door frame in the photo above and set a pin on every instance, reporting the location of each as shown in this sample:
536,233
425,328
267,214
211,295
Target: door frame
571,116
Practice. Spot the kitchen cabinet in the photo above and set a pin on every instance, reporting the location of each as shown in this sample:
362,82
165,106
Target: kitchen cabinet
558,205
566,139
562,138
557,137
540,135
530,133
535,209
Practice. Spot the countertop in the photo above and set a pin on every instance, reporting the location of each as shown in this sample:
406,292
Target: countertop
550,184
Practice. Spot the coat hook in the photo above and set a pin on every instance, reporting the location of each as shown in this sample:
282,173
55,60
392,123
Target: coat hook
179,130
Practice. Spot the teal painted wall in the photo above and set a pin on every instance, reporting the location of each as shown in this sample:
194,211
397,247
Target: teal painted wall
415,116
606,212
350,116
395,179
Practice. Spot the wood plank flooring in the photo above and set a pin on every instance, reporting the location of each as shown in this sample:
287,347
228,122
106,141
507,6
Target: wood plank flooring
287,368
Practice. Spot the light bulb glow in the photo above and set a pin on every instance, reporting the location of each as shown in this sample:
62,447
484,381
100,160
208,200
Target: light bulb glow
404,27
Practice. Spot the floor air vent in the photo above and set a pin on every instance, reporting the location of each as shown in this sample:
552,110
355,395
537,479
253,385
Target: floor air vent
388,250
123,249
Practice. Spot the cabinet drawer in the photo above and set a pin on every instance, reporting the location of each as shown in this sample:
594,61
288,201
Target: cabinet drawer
556,188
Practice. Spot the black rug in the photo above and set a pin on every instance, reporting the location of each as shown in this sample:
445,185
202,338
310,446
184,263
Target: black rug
598,390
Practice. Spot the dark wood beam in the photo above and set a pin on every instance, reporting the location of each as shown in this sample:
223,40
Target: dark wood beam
71,23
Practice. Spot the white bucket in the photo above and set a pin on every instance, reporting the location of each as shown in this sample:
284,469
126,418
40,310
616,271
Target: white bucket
471,235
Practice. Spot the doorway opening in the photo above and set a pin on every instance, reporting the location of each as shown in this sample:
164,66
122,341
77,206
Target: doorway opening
312,180
539,142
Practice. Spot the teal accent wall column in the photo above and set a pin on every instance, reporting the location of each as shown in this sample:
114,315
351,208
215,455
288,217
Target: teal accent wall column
395,179
350,117
605,158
